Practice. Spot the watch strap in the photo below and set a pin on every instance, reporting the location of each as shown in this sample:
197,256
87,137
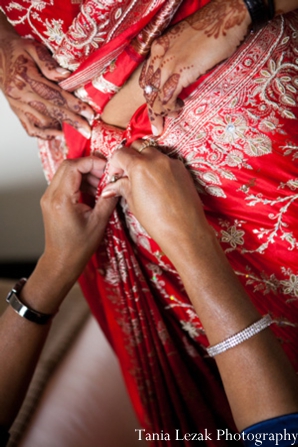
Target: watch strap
23,310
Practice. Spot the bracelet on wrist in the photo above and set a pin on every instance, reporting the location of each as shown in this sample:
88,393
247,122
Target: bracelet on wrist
259,12
240,337
271,9
23,310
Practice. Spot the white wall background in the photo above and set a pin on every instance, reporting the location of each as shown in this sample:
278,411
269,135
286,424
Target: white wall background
22,183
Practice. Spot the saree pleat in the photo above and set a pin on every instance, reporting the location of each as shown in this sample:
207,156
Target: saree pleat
238,136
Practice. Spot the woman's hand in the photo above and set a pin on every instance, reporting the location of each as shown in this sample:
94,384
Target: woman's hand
73,229
161,194
29,79
188,50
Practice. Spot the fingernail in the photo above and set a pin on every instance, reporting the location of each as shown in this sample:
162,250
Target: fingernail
155,131
86,133
106,194
88,114
62,71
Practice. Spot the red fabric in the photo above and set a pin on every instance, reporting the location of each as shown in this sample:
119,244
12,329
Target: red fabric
238,136
247,172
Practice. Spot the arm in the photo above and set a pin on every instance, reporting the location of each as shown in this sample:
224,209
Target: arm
29,79
210,35
73,231
258,378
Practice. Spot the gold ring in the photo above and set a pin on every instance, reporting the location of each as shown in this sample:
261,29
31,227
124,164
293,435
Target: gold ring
147,143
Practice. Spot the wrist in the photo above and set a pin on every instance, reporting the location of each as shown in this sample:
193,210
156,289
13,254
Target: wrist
47,286
6,29
260,11
242,23
188,251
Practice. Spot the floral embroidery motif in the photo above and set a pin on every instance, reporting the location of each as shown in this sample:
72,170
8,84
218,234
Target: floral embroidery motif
271,284
290,286
291,149
54,30
226,135
232,235
279,229
31,12
192,324
277,85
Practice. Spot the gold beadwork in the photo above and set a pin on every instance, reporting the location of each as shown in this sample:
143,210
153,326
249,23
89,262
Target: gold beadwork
147,143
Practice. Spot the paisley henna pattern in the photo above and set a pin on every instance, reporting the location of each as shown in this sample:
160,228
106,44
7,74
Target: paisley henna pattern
34,120
170,87
44,55
39,103
40,107
142,43
218,17
61,116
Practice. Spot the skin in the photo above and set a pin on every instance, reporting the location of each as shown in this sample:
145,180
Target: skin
256,370
211,35
29,79
259,381
73,231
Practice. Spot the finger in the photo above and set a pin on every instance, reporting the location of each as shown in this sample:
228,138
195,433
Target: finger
36,125
45,62
68,117
91,180
98,168
54,98
88,189
52,101
69,176
121,161
43,134
121,188
104,208
162,85
78,106
127,159
152,81
29,124
157,122
37,114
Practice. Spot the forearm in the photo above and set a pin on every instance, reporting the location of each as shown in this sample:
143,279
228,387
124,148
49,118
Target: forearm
7,33
122,106
6,28
21,341
284,6
258,378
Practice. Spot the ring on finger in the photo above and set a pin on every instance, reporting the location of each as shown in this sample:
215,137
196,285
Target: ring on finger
150,89
114,178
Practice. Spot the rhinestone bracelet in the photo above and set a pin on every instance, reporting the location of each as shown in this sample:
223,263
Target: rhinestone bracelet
240,337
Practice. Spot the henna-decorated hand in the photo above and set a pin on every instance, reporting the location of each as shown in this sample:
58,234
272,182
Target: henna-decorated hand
29,79
188,50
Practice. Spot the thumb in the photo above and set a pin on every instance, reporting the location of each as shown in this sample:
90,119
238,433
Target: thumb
104,208
121,188
46,63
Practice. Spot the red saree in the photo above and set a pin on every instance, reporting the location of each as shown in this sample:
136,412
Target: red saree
238,135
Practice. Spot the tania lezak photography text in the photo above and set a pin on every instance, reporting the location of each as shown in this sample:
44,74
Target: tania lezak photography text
219,435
